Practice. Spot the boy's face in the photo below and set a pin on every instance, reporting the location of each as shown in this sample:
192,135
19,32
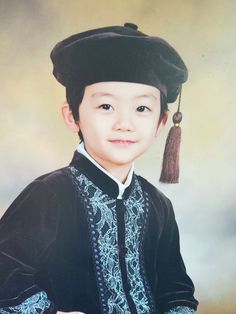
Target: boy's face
119,121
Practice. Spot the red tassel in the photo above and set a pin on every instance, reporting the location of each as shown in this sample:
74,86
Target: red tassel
170,163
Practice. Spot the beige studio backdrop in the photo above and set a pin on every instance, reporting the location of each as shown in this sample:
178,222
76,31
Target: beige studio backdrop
35,141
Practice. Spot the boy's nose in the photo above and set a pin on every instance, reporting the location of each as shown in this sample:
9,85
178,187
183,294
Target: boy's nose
123,122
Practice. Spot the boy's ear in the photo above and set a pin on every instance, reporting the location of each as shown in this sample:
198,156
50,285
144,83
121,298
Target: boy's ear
68,118
162,123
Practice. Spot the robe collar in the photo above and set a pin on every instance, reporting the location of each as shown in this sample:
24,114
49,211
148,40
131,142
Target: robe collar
105,182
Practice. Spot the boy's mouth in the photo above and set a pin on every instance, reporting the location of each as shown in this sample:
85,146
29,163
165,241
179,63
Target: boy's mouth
122,142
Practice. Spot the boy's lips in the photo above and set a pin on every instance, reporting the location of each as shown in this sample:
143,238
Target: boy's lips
122,142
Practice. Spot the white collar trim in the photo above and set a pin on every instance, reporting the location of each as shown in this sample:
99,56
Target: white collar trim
122,186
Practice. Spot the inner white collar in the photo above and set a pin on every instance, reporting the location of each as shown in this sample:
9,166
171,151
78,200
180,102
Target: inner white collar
122,186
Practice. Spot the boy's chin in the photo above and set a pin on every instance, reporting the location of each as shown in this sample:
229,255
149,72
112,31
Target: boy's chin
121,161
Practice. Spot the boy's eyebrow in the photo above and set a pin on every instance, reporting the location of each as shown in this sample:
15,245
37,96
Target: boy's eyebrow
100,94
147,96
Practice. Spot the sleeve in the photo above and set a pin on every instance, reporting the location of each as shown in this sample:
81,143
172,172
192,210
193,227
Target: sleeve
36,304
175,289
181,310
27,229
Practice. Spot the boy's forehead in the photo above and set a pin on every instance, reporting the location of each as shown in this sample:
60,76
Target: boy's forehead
122,89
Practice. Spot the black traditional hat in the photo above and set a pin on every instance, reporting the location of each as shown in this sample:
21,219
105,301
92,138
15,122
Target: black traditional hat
118,53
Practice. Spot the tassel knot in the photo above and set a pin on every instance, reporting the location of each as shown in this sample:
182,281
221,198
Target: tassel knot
177,118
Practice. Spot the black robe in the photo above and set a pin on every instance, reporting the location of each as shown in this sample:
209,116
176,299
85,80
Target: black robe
47,244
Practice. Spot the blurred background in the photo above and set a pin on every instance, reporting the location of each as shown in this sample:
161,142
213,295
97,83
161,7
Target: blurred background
35,141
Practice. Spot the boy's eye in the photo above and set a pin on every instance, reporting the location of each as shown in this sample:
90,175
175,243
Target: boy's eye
106,106
143,109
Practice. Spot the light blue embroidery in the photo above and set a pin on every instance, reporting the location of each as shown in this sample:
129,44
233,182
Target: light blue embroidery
103,227
101,211
36,304
134,220
181,310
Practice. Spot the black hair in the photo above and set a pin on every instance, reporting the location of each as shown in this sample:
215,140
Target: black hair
74,98
164,106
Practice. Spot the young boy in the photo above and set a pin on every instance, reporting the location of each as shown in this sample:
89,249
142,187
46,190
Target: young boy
94,237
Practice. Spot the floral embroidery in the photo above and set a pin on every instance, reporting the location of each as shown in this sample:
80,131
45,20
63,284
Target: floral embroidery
103,230
36,304
181,310
135,216
102,221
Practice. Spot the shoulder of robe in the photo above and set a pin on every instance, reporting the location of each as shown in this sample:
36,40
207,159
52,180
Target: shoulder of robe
31,223
161,202
43,197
